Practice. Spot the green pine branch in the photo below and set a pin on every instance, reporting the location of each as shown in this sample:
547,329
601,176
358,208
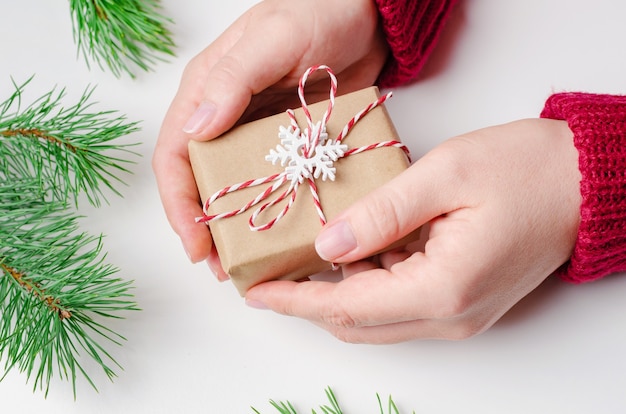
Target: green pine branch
121,35
286,407
55,286
66,148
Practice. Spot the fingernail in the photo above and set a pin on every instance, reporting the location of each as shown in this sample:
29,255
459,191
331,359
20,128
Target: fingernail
335,241
216,268
256,304
189,254
201,118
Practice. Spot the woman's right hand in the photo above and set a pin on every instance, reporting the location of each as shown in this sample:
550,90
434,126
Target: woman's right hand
503,204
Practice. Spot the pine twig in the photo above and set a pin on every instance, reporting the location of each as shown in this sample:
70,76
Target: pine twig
285,407
121,35
67,149
53,281
55,285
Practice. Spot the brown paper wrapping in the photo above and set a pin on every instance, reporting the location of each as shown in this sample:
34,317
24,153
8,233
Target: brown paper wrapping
286,251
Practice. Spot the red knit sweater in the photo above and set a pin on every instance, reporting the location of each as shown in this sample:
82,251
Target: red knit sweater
598,122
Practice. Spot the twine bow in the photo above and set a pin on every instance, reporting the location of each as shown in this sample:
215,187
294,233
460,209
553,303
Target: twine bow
306,156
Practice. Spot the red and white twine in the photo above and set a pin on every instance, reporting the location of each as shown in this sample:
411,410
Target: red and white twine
313,133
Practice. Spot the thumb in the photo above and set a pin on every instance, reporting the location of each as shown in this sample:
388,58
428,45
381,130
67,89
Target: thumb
237,66
384,216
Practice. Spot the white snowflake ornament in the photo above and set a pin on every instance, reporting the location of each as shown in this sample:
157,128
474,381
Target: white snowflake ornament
290,154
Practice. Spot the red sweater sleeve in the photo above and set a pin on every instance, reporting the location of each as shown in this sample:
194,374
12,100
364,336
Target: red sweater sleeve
412,28
599,126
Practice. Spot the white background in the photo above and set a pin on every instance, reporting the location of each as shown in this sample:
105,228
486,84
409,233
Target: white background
196,348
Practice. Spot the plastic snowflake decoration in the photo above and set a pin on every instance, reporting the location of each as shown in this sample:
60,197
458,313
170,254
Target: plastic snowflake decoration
290,153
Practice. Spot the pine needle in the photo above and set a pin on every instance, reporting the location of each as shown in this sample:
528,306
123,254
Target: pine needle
55,285
121,35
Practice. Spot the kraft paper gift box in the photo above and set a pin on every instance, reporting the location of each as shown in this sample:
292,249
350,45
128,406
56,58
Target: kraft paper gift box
286,250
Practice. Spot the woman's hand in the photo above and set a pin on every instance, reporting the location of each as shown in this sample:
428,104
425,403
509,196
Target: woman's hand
503,207
252,71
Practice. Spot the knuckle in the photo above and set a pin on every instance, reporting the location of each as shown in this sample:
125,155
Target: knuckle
467,329
454,305
345,335
228,71
454,160
463,315
339,318
196,65
383,215
155,161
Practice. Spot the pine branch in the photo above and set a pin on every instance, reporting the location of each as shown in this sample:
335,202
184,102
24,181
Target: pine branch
53,280
55,285
65,148
287,408
121,34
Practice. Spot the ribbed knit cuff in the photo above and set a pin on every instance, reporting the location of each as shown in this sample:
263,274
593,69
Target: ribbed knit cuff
599,126
412,29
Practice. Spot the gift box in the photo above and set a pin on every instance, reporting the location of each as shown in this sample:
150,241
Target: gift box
286,250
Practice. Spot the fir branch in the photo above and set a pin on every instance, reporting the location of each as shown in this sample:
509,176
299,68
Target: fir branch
121,34
285,407
68,149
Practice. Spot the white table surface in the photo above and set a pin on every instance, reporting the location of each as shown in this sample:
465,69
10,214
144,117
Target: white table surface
196,348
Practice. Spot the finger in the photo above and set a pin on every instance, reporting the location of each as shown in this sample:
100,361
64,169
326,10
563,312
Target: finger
178,192
376,313
449,329
170,161
362,299
394,332
391,257
216,266
353,268
387,214
439,286
246,69
384,260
